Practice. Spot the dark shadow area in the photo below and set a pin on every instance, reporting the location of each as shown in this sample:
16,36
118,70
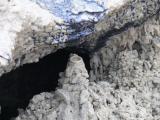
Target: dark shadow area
19,86
137,46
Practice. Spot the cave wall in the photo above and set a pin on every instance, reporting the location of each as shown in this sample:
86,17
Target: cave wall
124,79
143,38
37,35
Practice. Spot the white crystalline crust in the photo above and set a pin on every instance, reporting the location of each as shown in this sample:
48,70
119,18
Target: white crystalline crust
126,71
124,80
79,10
77,98
13,15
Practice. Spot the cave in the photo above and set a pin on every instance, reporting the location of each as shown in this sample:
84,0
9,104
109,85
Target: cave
20,85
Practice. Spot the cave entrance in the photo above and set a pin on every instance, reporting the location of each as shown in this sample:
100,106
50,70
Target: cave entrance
19,86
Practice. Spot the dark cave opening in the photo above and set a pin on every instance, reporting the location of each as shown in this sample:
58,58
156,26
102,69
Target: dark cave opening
19,86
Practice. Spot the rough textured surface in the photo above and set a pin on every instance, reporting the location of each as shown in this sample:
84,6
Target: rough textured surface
143,38
132,14
18,23
68,102
30,36
131,93
27,34
79,16
124,83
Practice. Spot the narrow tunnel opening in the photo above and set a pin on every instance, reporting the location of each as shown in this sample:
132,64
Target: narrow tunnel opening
19,86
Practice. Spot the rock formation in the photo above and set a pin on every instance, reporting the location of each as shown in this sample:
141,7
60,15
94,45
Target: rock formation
27,36
124,81
30,31
68,102
130,91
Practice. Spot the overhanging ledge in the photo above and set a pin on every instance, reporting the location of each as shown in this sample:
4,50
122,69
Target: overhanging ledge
26,35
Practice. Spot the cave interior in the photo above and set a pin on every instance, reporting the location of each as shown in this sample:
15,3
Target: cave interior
20,85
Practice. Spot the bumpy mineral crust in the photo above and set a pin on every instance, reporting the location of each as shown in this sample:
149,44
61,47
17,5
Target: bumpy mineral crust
29,31
131,92
27,34
124,81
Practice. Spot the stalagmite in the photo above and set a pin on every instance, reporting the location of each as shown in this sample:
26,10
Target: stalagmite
122,39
